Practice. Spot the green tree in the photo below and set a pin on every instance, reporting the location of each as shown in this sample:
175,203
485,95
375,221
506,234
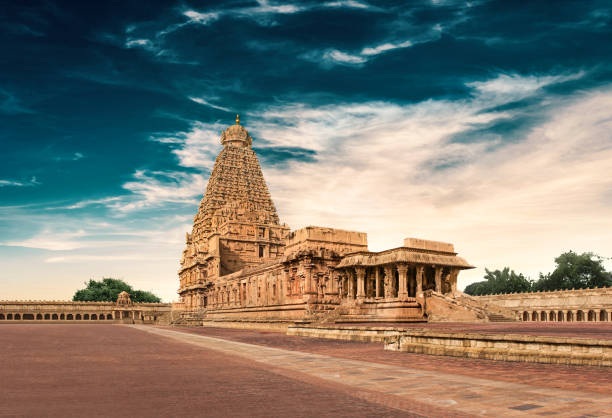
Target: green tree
499,281
575,271
107,290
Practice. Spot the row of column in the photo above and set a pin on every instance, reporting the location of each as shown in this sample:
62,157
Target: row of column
65,316
570,315
402,291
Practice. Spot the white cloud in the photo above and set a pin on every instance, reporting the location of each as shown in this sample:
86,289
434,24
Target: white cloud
155,188
206,103
266,7
348,3
20,183
52,240
335,56
385,47
91,202
201,18
514,86
342,57
140,43
85,258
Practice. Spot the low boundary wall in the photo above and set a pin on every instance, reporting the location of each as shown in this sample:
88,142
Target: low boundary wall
347,333
263,325
504,347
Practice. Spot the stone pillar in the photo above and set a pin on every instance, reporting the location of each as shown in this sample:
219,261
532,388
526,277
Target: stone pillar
420,270
453,280
351,284
333,284
308,279
377,281
360,282
286,282
438,278
388,282
402,291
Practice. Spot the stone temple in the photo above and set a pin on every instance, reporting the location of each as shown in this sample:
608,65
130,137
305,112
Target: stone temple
241,263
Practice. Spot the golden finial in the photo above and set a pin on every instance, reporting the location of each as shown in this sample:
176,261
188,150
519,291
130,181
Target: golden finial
237,119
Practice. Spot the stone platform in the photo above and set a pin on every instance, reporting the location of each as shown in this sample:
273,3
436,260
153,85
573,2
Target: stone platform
460,342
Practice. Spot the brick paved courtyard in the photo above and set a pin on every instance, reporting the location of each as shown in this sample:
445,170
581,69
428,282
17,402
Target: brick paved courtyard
113,370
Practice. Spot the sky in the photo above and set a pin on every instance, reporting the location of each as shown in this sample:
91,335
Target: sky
487,124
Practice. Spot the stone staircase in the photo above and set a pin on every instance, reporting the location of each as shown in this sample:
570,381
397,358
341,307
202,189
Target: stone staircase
493,317
405,311
325,314
189,319
464,308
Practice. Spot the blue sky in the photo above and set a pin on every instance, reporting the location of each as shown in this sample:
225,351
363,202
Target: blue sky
484,123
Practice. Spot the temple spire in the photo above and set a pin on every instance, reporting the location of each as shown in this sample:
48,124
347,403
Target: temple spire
237,119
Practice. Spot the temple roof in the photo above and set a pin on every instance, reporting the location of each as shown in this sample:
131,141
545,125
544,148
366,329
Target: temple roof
403,255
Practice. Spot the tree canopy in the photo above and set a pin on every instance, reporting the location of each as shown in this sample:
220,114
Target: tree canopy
107,290
573,271
499,281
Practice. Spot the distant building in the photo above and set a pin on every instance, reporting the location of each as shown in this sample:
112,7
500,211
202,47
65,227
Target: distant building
50,311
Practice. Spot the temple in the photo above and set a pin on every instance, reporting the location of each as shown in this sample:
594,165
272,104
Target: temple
241,263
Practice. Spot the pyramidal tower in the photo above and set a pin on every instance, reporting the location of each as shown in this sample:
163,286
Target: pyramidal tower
236,226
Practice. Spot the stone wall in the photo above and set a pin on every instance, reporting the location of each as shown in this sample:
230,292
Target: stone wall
92,312
510,347
592,305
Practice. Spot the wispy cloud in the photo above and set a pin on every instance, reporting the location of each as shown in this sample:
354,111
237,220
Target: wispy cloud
11,105
509,87
52,240
206,103
92,202
263,13
140,43
201,18
342,57
385,47
330,57
19,183
348,3
152,188
76,156
116,257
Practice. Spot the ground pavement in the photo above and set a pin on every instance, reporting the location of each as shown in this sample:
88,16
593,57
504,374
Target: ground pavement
114,370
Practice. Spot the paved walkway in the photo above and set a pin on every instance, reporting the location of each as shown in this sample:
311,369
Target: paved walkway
410,389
